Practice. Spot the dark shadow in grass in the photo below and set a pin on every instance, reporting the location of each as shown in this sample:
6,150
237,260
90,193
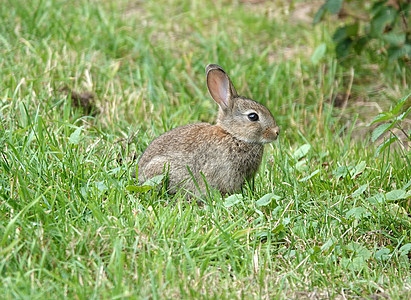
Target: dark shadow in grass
82,100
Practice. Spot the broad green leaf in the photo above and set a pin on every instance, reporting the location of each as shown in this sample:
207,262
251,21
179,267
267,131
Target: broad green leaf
342,49
286,221
340,34
278,229
232,200
381,117
358,169
380,130
376,7
341,171
139,189
314,251
394,53
352,29
345,262
310,176
357,263
156,180
376,199
384,17
405,249
302,151
75,136
301,165
359,250
101,186
56,151
399,105
395,195
360,43
334,6
276,211
364,253
290,254
394,39
382,254
318,54
329,244
266,199
360,190
358,213
319,14
403,115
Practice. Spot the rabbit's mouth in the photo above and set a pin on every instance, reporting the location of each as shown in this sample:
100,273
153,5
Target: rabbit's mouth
270,134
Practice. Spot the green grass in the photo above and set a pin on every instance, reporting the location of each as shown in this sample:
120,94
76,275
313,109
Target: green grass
68,225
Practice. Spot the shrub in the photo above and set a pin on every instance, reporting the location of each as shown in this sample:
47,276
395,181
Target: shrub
384,21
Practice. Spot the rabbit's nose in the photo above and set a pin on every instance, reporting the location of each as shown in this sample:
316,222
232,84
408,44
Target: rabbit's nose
271,134
276,131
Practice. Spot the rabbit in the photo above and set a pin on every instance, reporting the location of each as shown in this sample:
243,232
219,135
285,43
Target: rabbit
223,156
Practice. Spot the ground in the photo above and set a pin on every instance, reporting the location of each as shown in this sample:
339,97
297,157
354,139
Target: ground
86,85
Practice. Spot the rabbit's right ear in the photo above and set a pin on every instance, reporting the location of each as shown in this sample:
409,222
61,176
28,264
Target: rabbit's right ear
219,86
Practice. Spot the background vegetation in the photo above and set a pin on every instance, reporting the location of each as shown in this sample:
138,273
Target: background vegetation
86,85
381,21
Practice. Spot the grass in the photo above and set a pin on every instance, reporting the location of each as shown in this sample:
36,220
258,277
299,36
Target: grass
333,228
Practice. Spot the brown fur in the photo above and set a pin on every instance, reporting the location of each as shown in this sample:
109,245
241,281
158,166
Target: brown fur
225,154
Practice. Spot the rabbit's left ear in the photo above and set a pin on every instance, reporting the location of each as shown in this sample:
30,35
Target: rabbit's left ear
220,86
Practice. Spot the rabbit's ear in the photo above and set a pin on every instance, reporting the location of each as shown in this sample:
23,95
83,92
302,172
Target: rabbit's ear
220,87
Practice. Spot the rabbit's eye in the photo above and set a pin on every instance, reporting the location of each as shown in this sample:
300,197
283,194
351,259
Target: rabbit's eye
253,117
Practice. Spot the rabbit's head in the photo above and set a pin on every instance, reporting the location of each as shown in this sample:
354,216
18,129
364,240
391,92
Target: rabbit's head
243,118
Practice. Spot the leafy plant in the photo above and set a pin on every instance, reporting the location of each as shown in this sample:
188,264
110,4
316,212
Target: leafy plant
384,21
393,119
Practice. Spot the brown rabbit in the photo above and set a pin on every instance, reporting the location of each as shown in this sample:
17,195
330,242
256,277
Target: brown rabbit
220,156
